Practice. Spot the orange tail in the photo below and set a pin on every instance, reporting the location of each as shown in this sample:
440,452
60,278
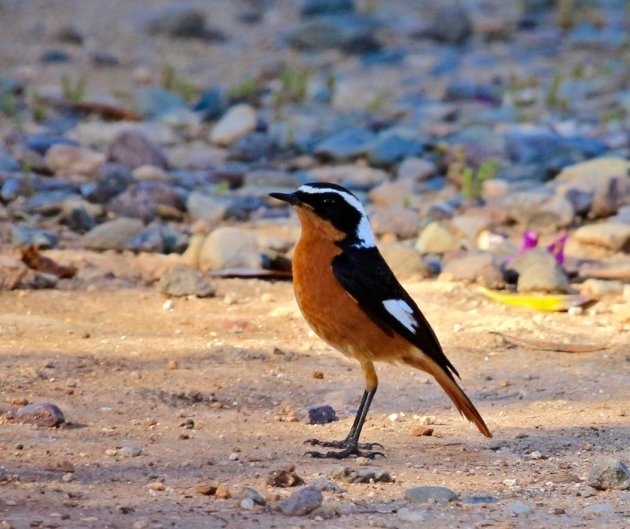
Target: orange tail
455,393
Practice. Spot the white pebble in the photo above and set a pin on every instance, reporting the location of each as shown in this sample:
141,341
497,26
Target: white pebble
169,304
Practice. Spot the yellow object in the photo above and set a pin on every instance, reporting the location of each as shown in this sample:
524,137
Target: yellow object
543,302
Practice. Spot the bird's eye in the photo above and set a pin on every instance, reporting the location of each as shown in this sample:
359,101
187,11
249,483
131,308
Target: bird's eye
328,202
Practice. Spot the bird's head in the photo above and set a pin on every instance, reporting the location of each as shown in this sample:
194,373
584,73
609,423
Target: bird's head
333,210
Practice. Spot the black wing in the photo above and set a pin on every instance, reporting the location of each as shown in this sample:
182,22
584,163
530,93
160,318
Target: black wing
365,275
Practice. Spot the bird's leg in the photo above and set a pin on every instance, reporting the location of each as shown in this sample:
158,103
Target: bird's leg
350,445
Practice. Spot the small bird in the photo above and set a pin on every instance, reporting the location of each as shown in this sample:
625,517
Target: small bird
350,297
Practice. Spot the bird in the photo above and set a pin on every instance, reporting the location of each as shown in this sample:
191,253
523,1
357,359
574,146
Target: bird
351,299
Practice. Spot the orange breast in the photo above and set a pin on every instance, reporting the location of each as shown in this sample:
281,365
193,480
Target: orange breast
329,310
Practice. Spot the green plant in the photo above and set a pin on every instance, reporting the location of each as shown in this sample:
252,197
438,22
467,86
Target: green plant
74,90
554,100
247,90
37,106
472,182
9,105
174,83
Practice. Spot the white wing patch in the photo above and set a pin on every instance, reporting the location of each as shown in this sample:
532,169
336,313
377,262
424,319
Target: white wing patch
401,310
364,230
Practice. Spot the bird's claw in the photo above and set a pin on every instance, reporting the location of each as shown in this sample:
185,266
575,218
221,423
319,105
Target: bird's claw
343,454
343,444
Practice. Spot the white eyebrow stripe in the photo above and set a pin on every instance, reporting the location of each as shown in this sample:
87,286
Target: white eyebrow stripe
364,230
401,310
350,199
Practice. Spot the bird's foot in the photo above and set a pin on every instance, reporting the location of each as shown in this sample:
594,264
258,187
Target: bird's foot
343,454
347,449
342,444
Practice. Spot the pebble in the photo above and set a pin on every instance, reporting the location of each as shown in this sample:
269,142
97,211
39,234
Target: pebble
599,509
517,509
326,7
236,123
599,287
345,145
23,235
179,22
254,496
416,169
361,475
41,414
130,451
609,473
428,494
184,281
112,235
612,235
321,415
394,220
408,515
436,237
133,149
69,160
301,502
449,23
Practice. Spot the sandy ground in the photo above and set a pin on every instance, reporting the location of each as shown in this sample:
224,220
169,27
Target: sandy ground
129,373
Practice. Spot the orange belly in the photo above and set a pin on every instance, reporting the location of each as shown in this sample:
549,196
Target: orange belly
332,313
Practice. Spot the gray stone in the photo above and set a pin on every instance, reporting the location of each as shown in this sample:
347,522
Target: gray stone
114,179
321,415
404,260
205,207
236,123
158,103
301,502
539,210
230,247
398,193
609,473
254,495
133,149
394,145
112,235
429,493
326,7
130,451
41,414
539,271
436,237
416,169
517,508
481,267
252,147
409,515
612,235
179,22
184,281
145,200
450,23
350,32
352,176
404,223
68,160
78,217
23,235
599,509
361,475
609,196
346,145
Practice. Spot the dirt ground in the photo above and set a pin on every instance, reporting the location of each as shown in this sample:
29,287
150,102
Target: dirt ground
129,371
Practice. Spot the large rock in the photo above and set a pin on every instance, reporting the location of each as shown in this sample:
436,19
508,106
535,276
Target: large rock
112,235
345,145
404,261
237,122
68,160
184,281
428,494
436,237
205,207
404,223
611,235
133,149
301,502
538,271
481,267
229,247
609,473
